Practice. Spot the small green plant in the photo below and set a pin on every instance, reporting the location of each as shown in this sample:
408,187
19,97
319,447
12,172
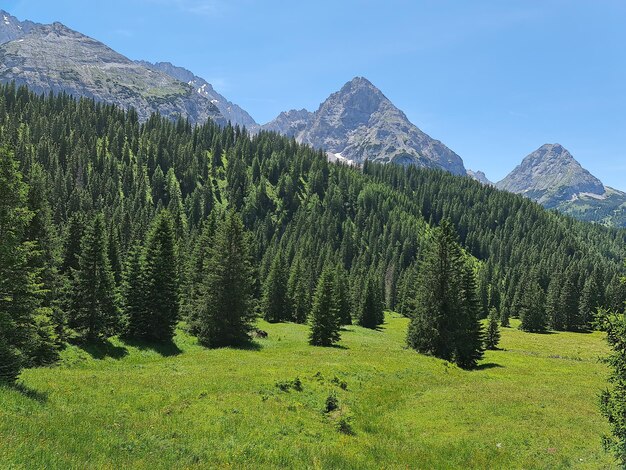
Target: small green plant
342,384
296,384
344,426
332,403
283,386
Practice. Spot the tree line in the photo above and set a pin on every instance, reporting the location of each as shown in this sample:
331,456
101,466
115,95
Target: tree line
112,226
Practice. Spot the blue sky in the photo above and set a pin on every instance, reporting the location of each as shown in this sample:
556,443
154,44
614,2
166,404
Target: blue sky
493,79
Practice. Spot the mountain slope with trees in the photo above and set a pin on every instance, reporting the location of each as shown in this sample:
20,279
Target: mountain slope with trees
105,179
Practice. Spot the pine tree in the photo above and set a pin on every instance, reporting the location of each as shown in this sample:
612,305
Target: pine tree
492,336
569,304
160,282
134,292
299,291
531,306
324,317
20,294
438,303
94,311
227,313
613,399
276,305
342,293
469,334
589,302
371,313
554,308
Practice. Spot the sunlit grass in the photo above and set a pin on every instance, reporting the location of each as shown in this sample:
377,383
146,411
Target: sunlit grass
531,405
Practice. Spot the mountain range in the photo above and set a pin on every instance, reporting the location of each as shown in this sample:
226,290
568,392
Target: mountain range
354,124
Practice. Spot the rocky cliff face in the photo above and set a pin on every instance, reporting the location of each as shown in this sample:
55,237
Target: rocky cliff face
551,175
359,123
230,111
11,28
56,58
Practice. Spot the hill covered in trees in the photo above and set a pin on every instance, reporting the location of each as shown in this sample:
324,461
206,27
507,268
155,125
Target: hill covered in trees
101,205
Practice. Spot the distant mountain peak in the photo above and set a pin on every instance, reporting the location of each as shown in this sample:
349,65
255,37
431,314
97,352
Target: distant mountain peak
479,176
360,123
551,175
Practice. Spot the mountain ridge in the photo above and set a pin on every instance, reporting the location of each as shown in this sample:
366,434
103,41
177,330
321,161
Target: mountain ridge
55,58
360,123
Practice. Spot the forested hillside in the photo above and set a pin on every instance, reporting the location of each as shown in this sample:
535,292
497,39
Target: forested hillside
100,206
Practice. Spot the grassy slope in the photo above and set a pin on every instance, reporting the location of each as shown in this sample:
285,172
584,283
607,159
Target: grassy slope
532,405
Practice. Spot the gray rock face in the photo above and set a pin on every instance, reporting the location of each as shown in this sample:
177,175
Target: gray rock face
56,58
550,175
11,28
290,123
480,177
230,111
359,123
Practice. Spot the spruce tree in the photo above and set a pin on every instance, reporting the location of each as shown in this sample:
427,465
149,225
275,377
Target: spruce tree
589,302
94,311
20,294
531,306
275,304
299,291
371,312
343,297
613,398
160,280
226,315
554,307
134,291
469,334
324,318
492,336
569,304
438,303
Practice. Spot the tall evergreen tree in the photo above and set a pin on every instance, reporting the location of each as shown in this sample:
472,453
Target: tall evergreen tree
613,399
469,334
438,303
20,295
531,306
160,281
134,291
589,302
276,305
227,312
371,312
299,291
324,317
492,336
554,307
343,298
95,311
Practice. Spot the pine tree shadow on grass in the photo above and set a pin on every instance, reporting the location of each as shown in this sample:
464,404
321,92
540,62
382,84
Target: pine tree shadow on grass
488,365
247,346
103,349
24,390
163,348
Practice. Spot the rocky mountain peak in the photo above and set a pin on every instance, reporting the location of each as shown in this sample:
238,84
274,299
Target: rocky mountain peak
551,175
359,123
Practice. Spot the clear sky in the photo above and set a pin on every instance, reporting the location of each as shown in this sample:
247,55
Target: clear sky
492,79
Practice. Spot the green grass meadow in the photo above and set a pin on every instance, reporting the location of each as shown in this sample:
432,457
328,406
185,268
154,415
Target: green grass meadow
532,404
